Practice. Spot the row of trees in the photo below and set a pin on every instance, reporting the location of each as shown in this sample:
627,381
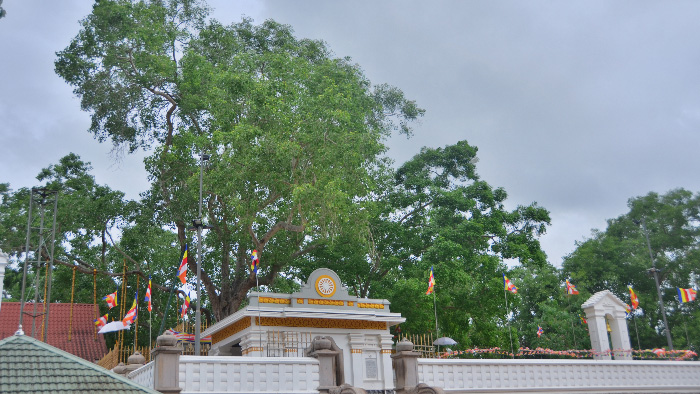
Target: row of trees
297,171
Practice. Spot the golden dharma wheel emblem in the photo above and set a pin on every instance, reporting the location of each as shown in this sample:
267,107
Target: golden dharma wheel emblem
325,286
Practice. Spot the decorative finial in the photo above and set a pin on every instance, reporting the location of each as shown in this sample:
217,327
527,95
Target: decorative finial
19,331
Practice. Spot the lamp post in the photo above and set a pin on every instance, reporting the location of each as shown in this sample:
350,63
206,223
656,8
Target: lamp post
198,224
655,272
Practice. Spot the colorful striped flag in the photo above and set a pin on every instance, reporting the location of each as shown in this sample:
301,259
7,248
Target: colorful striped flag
634,300
101,321
131,315
148,294
570,288
431,282
185,306
254,261
540,331
507,285
182,271
112,299
686,295
583,319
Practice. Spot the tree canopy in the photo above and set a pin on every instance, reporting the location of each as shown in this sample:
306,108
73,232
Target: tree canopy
292,132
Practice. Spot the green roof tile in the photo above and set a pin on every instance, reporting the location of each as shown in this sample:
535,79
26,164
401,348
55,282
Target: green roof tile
31,366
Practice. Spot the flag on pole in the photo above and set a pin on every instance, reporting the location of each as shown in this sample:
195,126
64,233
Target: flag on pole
507,285
583,319
254,261
628,309
185,306
540,331
147,298
131,314
570,288
113,326
182,271
112,299
431,282
101,321
686,295
634,300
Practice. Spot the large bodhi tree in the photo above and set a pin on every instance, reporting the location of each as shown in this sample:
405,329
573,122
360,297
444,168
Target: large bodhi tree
292,132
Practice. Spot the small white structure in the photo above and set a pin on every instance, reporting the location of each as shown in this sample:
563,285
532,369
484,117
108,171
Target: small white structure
276,324
601,306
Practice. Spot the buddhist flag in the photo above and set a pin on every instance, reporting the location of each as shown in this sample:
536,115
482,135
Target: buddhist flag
686,295
507,285
628,309
131,315
182,271
540,331
185,306
583,319
101,321
431,282
112,299
147,298
634,300
254,261
570,288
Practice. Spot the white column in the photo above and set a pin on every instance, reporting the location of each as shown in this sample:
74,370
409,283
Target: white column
4,261
599,334
356,376
620,336
386,342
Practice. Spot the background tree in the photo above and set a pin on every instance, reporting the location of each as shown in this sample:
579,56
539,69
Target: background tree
619,256
434,210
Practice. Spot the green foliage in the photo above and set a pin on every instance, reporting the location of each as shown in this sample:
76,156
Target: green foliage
292,132
619,256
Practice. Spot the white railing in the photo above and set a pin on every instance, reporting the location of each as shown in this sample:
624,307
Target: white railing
227,374
143,375
560,376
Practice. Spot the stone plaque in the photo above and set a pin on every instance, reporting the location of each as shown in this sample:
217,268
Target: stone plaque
371,370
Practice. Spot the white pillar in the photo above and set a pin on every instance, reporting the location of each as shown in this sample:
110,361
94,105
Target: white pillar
4,261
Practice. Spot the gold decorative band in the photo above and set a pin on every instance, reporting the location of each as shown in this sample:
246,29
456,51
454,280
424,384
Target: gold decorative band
326,302
231,329
371,306
356,351
386,351
321,323
272,300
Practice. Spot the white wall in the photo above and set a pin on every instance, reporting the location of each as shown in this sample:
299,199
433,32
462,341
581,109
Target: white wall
225,374
560,376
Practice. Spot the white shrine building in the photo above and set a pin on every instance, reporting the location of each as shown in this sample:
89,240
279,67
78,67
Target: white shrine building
275,324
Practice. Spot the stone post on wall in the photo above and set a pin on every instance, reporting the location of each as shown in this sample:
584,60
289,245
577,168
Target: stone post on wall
134,362
329,363
405,364
166,369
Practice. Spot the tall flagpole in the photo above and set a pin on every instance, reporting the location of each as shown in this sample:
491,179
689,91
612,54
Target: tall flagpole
257,284
505,294
568,299
437,330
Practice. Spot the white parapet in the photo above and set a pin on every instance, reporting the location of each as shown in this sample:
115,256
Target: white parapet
227,374
143,375
560,376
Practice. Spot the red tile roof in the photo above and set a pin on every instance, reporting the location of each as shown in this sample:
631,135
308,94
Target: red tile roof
83,342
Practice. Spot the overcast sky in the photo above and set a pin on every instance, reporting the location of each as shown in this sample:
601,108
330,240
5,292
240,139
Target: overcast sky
575,105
